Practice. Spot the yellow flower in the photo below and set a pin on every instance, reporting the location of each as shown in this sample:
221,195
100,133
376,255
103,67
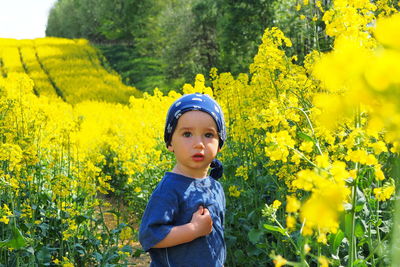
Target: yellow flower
386,31
383,62
278,144
234,191
321,211
305,180
379,175
322,238
292,204
138,189
5,212
339,171
361,156
290,222
302,17
329,108
243,172
126,233
306,146
319,5
307,248
306,230
395,148
279,261
322,160
384,193
66,262
4,219
276,204
379,147
124,253
323,261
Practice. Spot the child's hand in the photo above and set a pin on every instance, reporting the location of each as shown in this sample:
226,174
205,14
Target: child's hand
200,225
202,221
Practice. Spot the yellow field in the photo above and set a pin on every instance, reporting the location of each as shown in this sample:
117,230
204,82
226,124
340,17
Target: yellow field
311,161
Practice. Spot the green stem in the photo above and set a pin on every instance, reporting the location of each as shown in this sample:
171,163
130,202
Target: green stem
311,127
353,252
275,87
319,252
105,227
303,156
304,262
286,233
353,239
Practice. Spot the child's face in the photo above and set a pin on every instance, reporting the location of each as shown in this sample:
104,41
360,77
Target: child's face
195,143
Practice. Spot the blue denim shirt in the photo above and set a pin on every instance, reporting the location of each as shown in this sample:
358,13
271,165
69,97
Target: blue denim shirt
173,203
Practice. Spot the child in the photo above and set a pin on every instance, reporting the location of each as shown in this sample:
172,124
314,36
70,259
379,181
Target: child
183,221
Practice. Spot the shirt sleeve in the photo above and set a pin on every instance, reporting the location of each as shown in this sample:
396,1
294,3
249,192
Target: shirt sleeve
158,219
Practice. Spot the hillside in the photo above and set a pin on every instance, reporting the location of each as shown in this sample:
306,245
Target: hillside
70,69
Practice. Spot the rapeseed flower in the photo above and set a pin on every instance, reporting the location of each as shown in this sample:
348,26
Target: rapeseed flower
276,204
234,191
323,261
290,222
279,261
292,204
5,213
384,193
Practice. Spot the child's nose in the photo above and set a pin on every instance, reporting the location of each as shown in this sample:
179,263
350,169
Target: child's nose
198,143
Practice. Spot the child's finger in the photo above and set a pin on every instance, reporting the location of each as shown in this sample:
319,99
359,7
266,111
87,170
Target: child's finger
206,212
200,209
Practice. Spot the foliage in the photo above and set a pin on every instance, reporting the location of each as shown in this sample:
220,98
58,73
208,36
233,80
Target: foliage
183,37
311,163
145,73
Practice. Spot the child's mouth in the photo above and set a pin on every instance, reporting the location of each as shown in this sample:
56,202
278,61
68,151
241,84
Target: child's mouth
198,157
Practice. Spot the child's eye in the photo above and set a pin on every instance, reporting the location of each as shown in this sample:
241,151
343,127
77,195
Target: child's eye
187,134
209,135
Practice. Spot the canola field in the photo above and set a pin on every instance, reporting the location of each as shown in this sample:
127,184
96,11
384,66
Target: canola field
311,162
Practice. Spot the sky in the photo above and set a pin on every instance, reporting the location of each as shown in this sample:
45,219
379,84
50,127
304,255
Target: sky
24,19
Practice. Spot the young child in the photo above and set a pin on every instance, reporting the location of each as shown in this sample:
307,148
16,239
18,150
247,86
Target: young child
183,224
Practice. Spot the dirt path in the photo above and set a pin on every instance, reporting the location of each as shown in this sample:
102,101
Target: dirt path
143,260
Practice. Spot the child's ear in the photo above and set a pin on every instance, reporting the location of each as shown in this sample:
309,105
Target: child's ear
170,148
219,149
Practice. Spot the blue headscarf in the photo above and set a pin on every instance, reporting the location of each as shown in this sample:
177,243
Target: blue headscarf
203,103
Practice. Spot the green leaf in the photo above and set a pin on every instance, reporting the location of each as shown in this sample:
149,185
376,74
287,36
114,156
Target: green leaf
127,248
254,235
274,229
80,249
348,225
137,253
97,256
239,255
16,241
360,201
336,240
359,229
359,263
80,218
43,256
305,137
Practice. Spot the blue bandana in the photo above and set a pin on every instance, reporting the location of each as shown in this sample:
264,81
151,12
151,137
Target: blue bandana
203,103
